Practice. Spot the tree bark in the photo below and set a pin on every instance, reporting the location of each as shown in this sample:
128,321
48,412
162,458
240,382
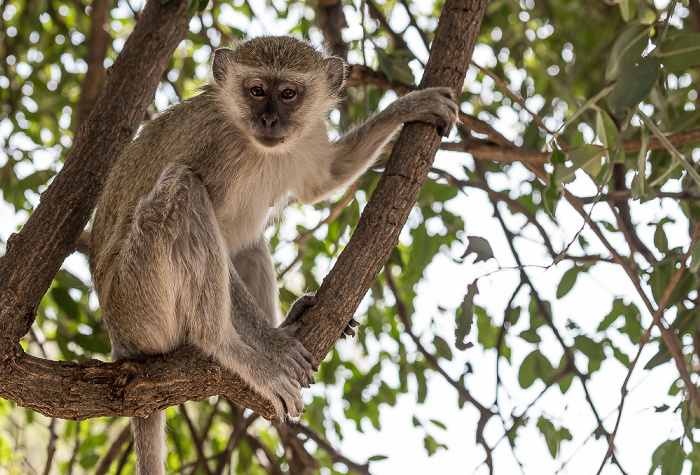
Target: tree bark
129,388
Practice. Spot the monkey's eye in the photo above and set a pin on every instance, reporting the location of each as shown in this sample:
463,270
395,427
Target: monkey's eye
288,93
257,91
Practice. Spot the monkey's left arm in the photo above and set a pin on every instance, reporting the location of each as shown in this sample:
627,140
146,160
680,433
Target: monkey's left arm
357,150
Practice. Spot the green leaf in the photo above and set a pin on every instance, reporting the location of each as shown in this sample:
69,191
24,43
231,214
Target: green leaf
480,247
634,84
422,386
662,356
627,50
395,65
567,281
680,52
534,366
530,336
660,239
431,445
550,198
552,435
442,349
695,257
593,350
669,456
587,157
606,129
377,458
433,191
439,424
65,302
465,317
628,8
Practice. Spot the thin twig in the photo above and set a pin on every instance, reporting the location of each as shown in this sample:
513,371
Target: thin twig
323,444
198,443
113,451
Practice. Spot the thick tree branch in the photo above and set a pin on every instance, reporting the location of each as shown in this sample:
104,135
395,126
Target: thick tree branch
331,21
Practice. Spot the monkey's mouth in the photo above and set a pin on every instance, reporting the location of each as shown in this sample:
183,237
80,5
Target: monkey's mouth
269,140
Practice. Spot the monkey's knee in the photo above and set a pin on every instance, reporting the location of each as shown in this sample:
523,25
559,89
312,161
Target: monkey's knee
178,188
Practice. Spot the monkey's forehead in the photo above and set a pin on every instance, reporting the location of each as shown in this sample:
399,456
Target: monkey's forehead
277,53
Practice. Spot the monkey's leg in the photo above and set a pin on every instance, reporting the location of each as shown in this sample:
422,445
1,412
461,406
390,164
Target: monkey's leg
174,263
254,308
254,267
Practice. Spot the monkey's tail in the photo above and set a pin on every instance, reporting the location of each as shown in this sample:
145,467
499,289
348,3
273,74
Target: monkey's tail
149,443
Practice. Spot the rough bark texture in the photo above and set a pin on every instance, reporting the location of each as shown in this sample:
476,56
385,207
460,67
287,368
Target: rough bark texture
127,388
75,391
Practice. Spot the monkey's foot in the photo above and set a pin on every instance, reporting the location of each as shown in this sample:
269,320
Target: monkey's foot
284,350
301,305
304,303
350,329
281,390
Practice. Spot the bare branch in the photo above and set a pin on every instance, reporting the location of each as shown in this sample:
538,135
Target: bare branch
113,451
97,45
337,457
199,445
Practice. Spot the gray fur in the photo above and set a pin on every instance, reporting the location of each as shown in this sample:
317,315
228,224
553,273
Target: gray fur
177,252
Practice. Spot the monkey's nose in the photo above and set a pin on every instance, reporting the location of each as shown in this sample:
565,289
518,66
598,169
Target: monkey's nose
269,118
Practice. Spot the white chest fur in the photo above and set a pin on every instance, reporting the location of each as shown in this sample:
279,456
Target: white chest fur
256,191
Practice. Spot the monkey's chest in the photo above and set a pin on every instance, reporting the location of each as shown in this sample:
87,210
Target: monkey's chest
243,218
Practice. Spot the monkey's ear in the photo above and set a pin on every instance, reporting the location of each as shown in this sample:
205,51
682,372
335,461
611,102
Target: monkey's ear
336,72
220,61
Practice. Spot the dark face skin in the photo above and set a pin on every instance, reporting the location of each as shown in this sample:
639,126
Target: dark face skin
272,105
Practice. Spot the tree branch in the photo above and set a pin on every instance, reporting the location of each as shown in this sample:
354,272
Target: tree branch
98,43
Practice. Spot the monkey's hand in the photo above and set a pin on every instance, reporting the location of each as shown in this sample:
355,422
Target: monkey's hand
434,105
304,303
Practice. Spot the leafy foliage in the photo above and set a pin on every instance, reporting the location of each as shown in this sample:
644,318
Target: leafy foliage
611,101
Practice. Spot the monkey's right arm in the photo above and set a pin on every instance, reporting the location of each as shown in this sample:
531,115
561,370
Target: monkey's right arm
357,150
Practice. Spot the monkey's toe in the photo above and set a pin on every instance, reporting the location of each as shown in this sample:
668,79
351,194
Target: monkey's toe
350,329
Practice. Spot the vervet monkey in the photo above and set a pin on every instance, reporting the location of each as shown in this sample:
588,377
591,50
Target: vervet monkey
178,254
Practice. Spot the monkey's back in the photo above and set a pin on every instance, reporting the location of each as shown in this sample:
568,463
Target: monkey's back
187,133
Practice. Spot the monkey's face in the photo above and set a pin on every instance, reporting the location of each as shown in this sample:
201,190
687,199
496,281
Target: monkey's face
272,105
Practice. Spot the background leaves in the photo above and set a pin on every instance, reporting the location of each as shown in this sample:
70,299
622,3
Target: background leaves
569,272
